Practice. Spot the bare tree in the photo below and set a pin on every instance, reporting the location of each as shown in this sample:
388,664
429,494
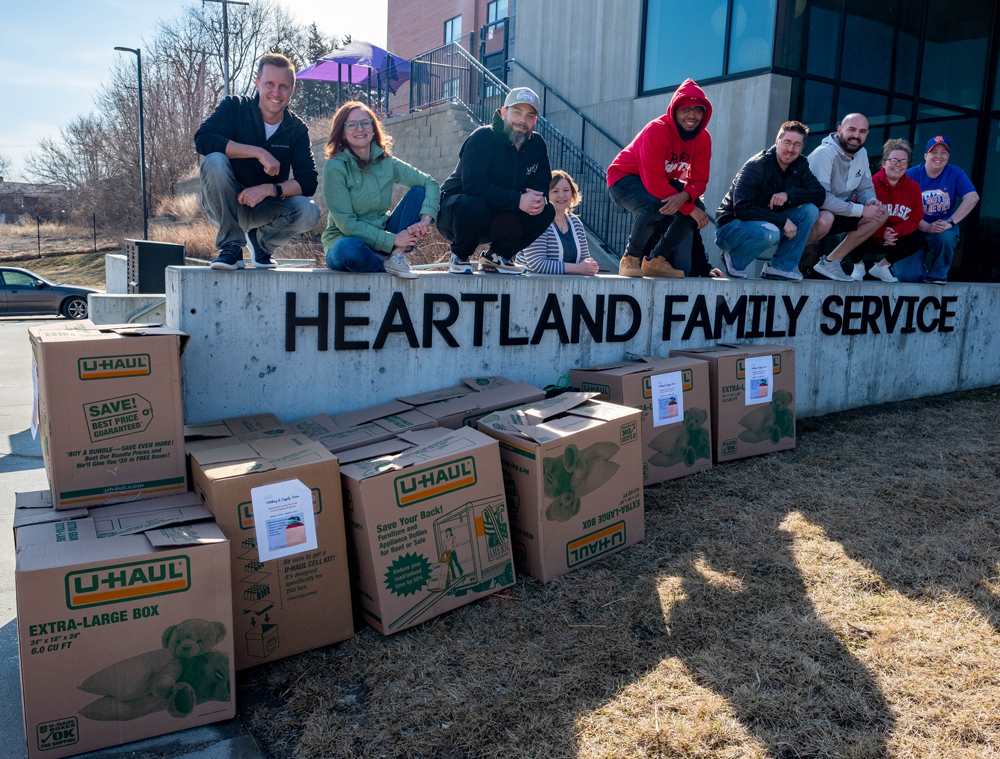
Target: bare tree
5,164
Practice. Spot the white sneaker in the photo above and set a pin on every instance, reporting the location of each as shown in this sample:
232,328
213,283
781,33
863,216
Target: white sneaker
883,272
831,270
733,271
457,265
859,272
397,265
769,272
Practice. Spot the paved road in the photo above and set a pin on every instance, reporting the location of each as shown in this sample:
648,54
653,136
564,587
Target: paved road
21,469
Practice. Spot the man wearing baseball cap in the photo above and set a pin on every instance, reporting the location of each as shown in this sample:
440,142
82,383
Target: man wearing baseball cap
498,193
941,184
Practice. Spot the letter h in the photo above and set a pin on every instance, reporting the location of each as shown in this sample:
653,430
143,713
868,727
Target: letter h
320,321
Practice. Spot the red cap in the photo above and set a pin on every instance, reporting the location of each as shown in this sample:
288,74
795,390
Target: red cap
688,102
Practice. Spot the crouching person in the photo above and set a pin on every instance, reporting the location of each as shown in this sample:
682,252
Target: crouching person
773,201
562,248
251,147
361,235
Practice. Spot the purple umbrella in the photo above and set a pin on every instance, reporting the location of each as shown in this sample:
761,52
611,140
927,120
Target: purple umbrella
358,63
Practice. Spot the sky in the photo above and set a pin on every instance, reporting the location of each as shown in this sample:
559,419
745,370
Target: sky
53,54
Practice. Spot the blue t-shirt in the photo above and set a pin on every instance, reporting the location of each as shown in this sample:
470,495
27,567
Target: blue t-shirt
939,194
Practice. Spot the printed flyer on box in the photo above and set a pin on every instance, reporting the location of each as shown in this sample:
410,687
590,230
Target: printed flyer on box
668,398
759,372
283,519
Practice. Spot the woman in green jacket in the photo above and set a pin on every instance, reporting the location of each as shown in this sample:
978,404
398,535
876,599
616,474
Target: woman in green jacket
361,235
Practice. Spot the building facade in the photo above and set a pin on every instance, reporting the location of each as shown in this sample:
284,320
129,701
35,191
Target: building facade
916,68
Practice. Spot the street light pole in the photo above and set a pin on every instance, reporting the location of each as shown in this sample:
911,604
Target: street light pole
225,36
142,141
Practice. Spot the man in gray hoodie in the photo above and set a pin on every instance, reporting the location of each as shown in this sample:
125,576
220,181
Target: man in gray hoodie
840,164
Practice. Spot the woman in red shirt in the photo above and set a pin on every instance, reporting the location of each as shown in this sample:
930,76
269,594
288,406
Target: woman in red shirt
898,238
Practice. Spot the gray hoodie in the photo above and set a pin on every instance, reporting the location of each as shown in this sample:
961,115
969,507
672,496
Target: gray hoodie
843,177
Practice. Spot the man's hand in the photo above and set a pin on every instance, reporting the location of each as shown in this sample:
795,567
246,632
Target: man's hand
532,202
891,236
674,202
404,239
778,199
874,210
587,267
717,274
269,162
700,217
421,228
790,229
251,196
939,226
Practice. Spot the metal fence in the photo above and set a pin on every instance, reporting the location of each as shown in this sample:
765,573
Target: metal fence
450,73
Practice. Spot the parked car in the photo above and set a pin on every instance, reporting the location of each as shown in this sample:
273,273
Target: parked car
24,292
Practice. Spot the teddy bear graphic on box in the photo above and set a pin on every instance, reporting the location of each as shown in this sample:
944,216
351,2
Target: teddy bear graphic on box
576,473
687,441
175,678
772,421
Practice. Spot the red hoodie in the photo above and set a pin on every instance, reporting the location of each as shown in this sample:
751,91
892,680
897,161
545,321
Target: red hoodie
904,203
658,154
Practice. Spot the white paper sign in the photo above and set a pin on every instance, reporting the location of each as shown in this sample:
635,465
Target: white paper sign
668,398
758,373
283,519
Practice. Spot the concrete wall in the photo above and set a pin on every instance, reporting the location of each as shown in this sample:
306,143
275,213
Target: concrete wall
123,309
431,139
115,274
238,362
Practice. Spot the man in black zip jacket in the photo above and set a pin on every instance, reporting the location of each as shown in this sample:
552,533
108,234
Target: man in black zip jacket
249,146
773,200
499,191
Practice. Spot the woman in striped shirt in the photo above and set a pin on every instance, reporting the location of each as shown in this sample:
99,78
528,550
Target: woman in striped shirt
562,248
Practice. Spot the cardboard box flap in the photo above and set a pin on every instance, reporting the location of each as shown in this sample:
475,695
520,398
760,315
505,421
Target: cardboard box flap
396,423
207,429
40,516
59,333
609,368
179,501
365,415
316,427
36,499
109,526
458,405
218,454
185,535
374,451
458,441
362,470
569,425
485,383
542,410
73,552
55,533
434,396
290,450
422,437
603,411
355,437
226,470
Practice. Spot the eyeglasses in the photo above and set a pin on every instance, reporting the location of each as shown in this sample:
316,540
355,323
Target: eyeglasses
896,161
790,144
353,126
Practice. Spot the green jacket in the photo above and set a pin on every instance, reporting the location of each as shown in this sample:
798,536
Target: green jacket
359,201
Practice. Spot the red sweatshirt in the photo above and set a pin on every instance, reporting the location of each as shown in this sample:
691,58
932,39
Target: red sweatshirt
658,154
904,203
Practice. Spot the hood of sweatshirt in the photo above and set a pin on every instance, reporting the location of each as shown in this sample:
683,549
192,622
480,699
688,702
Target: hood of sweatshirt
688,89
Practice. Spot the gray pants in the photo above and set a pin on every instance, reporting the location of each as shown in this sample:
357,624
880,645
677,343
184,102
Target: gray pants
277,220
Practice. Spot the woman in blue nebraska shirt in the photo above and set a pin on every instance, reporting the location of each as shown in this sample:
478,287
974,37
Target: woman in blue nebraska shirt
940,186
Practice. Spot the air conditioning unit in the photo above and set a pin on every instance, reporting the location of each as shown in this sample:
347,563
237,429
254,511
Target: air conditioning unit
147,264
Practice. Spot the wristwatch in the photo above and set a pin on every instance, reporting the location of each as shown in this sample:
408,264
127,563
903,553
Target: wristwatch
949,220
277,190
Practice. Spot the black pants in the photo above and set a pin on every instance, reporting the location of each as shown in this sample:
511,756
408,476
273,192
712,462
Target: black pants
631,194
468,221
905,247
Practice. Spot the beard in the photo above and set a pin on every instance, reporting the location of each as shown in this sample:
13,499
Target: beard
849,149
516,138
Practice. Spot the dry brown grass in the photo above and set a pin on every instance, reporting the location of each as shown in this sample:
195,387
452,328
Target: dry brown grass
18,241
86,269
180,207
838,600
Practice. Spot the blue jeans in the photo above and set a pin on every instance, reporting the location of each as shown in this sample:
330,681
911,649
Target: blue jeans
747,240
942,249
351,254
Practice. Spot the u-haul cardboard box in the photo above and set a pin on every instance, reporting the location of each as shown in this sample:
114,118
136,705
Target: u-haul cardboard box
429,527
124,625
281,606
572,470
753,398
675,400
109,412
363,427
464,405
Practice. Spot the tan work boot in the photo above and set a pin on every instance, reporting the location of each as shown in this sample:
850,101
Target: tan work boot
629,267
657,266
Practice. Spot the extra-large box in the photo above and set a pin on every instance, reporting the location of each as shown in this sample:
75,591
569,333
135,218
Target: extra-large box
429,527
572,470
753,398
674,397
286,605
109,412
124,623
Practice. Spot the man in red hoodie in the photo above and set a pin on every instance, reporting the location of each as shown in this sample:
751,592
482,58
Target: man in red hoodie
898,237
663,172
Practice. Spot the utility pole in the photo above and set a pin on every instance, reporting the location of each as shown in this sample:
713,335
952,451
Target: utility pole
142,142
225,35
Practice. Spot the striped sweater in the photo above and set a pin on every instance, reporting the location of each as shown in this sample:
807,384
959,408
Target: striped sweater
545,255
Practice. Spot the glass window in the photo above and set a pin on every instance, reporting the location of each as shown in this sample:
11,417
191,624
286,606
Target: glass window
902,110
810,104
875,107
869,26
496,10
908,45
807,38
18,279
988,232
750,35
453,30
683,40
954,65
961,133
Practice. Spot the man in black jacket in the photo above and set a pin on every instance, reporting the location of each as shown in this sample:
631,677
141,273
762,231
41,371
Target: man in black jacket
249,146
499,191
773,200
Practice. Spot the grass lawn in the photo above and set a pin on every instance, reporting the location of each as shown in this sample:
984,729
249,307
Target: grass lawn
86,269
838,600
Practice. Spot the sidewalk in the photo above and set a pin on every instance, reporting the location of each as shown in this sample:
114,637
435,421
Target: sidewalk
21,469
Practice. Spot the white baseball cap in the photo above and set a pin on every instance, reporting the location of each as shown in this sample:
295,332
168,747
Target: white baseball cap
521,95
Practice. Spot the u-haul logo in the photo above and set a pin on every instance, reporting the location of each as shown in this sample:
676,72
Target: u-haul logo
432,482
112,367
605,540
128,582
593,387
245,509
740,367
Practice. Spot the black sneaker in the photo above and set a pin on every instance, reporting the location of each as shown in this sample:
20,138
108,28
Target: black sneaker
494,263
230,258
261,259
